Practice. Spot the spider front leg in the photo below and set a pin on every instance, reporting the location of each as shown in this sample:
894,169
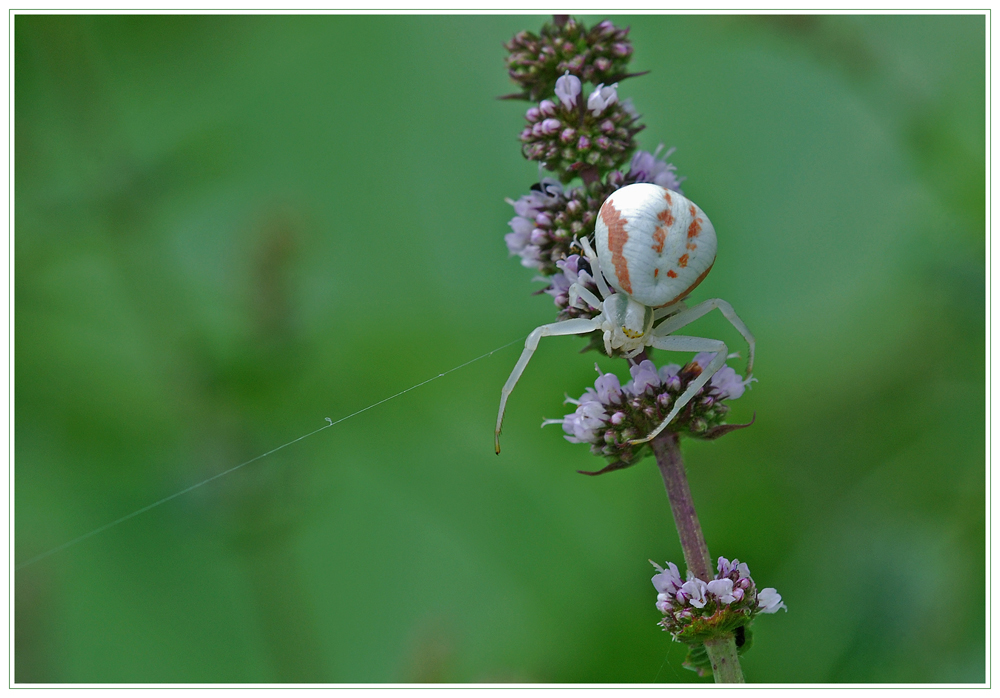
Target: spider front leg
697,344
566,327
689,315
595,268
576,291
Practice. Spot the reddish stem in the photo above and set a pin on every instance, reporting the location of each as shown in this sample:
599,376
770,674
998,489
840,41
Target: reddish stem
667,448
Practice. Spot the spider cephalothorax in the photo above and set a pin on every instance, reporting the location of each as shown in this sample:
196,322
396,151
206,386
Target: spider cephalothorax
653,247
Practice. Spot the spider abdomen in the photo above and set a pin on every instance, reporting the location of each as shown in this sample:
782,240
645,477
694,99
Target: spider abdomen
654,244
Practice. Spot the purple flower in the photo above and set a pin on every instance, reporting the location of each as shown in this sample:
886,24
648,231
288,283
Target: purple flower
601,98
609,389
726,382
722,589
667,581
525,240
695,590
534,202
769,601
737,571
648,167
568,88
644,376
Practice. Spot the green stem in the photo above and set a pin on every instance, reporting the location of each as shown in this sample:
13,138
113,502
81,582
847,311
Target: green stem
725,660
721,650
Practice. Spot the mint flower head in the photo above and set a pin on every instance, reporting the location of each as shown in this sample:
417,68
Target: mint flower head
696,610
609,415
569,136
597,55
550,220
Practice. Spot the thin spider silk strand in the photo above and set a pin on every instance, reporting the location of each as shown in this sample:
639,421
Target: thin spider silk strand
330,423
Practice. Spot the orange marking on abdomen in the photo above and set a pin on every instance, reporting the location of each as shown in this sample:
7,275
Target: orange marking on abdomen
666,195
671,273
660,238
656,272
617,237
695,226
690,288
683,261
666,217
691,246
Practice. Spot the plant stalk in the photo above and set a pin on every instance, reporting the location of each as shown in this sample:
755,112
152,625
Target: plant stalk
721,650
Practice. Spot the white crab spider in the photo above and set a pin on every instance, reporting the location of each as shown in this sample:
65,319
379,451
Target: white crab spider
653,246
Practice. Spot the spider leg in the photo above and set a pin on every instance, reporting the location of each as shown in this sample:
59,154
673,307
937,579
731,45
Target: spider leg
595,267
577,291
576,326
667,310
682,343
686,317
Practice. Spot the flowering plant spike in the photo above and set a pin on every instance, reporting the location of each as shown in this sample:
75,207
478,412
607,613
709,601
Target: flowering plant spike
620,247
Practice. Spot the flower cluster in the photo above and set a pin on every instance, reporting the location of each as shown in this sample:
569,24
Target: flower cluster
572,136
598,55
549,220
697,609
609,415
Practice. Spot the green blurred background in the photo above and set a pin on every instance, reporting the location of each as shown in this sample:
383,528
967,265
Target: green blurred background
230,228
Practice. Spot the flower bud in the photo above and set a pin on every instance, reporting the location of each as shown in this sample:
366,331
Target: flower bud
551,126
621,50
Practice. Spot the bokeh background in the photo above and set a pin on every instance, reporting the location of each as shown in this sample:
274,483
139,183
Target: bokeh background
229,228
